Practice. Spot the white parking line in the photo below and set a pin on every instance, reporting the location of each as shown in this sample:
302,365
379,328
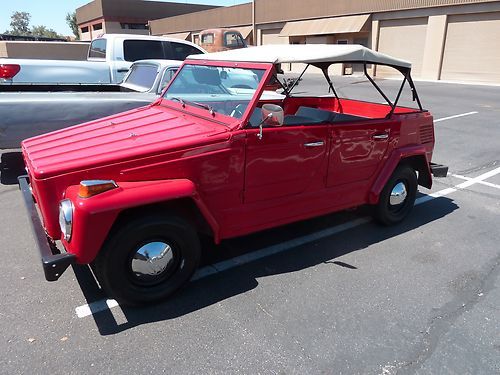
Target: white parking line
95,307
486,183
455,116
101,305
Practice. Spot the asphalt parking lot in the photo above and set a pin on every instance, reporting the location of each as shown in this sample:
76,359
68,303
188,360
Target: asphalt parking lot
336,295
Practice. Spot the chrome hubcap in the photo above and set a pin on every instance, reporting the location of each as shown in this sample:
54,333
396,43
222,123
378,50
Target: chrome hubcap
398,194
151,261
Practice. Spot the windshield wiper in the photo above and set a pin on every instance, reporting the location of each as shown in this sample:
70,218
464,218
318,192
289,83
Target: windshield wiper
183,103
201,105
205,106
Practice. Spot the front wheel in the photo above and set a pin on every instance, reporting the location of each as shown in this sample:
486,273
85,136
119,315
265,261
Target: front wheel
148,259
397,197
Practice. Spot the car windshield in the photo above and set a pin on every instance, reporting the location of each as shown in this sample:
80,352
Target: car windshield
223,90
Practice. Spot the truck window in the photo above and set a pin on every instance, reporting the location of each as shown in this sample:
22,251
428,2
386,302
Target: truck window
98,49
142,49
143,76
207,38
233,40
181,51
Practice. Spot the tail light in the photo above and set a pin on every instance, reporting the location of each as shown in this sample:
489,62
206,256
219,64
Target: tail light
8,71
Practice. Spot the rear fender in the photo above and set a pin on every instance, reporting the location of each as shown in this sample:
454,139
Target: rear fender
94,217
415,156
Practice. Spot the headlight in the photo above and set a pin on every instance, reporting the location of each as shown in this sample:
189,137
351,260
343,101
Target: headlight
66,218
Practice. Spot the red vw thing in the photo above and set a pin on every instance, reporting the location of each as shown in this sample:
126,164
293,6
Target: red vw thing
130,194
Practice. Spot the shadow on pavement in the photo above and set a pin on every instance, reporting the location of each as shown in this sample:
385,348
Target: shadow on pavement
213,289
11,166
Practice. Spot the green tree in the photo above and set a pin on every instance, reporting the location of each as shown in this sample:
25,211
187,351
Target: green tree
20,23
71,21
43,31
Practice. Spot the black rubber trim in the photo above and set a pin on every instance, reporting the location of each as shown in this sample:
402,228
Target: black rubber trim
439,170
54,265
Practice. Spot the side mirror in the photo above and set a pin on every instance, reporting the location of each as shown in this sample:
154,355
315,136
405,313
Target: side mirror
272,115
223,75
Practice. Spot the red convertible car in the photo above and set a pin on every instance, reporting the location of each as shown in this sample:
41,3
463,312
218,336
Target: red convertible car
130,194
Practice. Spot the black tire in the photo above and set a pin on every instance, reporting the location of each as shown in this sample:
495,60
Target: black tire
390,214
114,264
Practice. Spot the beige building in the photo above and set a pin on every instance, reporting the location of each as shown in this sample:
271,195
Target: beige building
444,39
127,16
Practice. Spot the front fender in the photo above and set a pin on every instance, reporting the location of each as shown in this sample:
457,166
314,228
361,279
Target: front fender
398,155
93,217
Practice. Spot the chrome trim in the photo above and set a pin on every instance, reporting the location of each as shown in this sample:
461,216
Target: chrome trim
66,209
314,144
381,136
88,183
398,194
151,260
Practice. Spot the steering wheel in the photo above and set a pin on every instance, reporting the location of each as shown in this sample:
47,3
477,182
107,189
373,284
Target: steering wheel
238,111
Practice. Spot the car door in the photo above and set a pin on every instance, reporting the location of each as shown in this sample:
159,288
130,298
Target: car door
357,149
287,161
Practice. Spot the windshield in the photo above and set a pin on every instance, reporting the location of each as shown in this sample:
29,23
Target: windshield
222,90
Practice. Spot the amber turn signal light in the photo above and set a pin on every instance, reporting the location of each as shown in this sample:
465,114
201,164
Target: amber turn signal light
89,188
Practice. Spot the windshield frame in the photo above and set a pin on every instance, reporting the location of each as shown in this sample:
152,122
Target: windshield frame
229,121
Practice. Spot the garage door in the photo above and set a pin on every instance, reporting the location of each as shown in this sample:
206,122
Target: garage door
472,50
404,39
273,37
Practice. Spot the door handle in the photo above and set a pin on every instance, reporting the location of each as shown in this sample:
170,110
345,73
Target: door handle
314,144
380,136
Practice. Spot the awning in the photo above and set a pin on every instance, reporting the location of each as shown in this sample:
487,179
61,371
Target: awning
337,25
245,31
183,36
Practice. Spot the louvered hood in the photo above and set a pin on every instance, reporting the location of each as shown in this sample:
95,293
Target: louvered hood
130,135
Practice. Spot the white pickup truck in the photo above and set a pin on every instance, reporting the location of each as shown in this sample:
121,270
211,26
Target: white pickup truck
29,110
109,58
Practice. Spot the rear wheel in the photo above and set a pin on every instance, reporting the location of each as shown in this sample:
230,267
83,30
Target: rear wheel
148,259
398,196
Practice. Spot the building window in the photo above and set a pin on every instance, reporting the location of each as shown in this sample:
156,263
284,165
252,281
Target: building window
134,26
85,29
207,39
97,26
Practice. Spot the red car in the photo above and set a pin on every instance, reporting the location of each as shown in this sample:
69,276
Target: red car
130,193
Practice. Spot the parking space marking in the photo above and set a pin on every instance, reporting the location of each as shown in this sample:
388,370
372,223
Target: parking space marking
456,116
104,304
95,307
485,183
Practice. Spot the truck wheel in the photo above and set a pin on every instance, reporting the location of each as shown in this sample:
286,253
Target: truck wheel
397,197
148,259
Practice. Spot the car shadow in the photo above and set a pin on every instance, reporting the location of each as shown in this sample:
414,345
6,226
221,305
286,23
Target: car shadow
210,290
11,166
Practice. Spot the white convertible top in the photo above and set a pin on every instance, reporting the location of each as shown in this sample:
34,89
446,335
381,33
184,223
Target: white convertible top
304,53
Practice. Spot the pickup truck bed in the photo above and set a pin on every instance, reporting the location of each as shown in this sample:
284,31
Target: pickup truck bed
27,114
27,110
